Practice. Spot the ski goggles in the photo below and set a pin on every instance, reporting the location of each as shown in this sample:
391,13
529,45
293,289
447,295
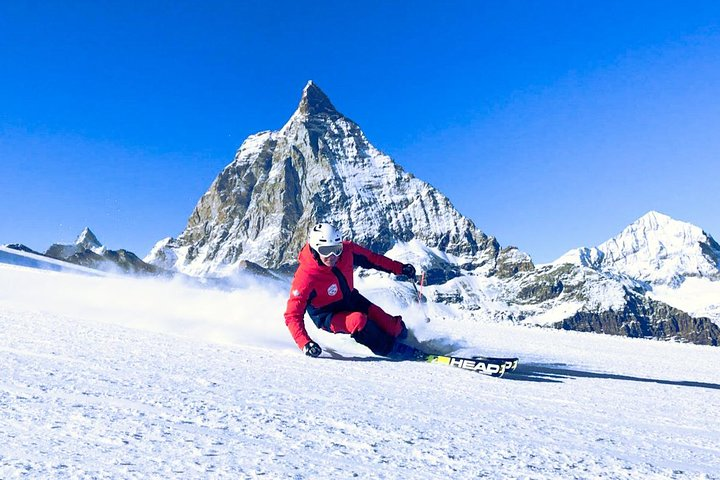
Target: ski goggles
327,250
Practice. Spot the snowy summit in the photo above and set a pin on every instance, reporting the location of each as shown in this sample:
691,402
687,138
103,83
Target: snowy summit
87,239
656,249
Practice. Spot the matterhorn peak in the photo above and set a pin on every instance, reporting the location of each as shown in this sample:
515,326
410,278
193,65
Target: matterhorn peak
315,102
320,165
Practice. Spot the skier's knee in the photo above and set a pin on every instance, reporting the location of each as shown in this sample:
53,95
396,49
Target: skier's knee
356,321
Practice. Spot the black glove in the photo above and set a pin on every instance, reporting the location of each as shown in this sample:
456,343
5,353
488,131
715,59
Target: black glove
312,349
409,271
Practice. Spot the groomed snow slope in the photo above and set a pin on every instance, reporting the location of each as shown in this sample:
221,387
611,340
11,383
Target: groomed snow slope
122,378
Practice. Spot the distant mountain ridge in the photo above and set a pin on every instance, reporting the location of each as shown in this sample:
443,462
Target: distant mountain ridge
87,251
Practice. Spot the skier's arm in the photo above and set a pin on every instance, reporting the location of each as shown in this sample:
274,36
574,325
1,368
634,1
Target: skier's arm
295,313
362,257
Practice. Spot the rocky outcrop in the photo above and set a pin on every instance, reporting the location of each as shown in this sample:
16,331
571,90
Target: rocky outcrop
512,261
645,318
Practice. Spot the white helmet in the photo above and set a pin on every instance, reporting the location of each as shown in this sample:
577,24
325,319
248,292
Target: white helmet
325,239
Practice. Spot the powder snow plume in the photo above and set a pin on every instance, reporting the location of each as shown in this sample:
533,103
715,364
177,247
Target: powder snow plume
252,314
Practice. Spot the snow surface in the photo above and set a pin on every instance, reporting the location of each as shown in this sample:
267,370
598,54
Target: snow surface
110,377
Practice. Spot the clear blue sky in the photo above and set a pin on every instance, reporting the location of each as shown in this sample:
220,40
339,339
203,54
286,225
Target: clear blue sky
552,125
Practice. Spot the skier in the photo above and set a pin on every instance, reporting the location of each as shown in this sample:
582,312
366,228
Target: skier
323,286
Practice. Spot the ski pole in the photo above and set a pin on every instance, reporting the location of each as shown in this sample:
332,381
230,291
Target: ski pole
419,293
419,298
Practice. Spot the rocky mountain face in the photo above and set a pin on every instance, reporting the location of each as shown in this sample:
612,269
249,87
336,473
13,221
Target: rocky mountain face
87,251
320,167
642,317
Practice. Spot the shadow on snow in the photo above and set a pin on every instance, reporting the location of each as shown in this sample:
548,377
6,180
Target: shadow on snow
334,355
557,373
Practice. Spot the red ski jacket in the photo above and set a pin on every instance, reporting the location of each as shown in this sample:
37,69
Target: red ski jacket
323,291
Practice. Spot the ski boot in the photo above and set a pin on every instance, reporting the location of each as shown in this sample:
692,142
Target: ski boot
401,351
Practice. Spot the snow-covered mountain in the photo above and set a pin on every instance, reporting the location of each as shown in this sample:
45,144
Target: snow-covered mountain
656,249
321,167
666,264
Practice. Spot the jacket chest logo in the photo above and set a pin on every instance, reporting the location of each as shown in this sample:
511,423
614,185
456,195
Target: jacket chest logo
332,290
